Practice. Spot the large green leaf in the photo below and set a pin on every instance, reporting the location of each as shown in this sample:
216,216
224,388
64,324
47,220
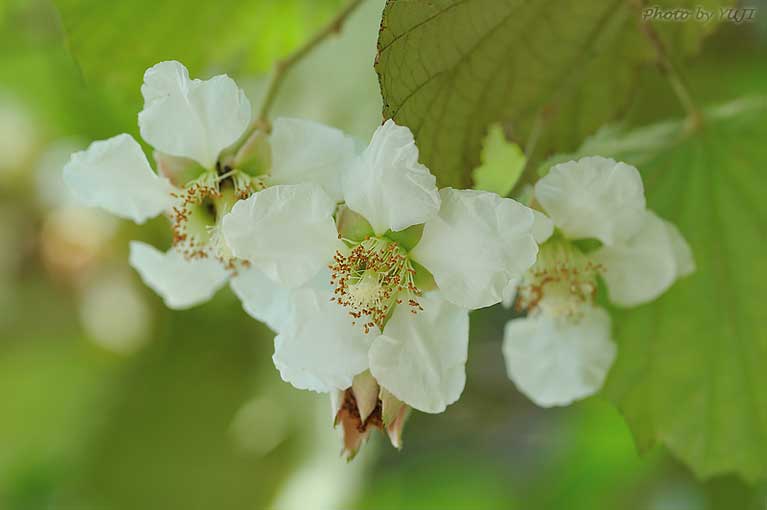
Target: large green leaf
690,371
450,68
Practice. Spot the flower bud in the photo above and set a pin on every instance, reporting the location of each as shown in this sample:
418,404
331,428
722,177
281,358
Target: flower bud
394,414
364,407
365,390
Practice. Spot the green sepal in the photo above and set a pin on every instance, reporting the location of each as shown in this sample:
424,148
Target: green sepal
390,406
407,238
188,173
587,245
423,278
352,226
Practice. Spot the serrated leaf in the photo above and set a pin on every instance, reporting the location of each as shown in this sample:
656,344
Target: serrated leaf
450,68
690,369
502,163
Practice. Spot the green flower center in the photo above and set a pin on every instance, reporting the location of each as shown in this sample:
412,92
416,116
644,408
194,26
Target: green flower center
196,217
372,279
560,283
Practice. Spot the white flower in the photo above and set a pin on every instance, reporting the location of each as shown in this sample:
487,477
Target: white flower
183,118
189,123
194,119
399,238
562,350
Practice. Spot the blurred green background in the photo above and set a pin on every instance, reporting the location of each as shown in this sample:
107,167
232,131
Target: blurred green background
110,401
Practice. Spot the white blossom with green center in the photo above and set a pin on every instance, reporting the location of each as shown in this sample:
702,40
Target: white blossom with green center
597,227
190,123
383,282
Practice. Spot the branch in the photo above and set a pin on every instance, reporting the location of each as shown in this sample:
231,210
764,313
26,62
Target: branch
695,118
282,68
669,70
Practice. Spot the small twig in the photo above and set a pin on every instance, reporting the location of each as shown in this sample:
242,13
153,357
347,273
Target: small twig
281,69
242,152
669,70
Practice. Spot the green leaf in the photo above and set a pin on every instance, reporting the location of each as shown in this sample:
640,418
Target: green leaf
502,163
690,370
450,68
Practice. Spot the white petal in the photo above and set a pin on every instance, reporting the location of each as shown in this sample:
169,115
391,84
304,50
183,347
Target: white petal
510,292
115,175
261,298
476,246
287,231
543,227
387,185
555,361
191,118
421,358
593,197
685,262
182,283
319,348
306,151
644,267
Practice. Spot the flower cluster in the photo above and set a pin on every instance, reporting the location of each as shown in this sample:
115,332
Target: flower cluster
362,266
379,286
